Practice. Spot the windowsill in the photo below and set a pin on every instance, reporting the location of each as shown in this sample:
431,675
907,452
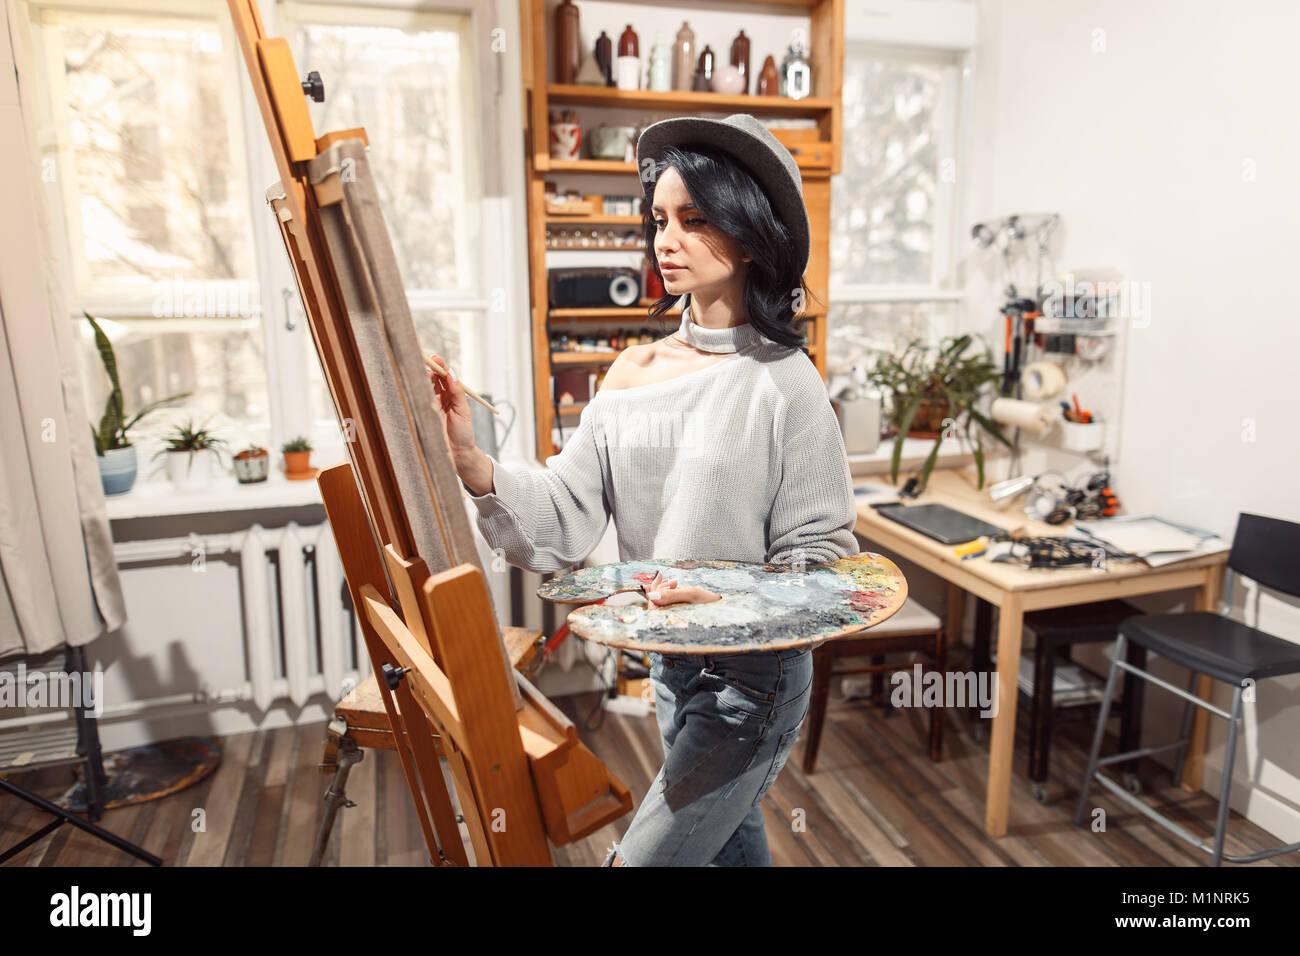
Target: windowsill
159,498
915,451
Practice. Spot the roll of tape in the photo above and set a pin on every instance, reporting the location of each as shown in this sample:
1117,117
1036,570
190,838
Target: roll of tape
1011,411
1042,380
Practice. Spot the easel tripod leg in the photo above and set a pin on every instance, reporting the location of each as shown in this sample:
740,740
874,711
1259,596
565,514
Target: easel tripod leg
336,796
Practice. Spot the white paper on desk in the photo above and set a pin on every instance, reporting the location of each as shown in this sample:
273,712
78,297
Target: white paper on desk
1142,536
1209,546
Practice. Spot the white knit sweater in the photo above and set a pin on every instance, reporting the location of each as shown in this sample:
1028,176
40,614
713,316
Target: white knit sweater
740,461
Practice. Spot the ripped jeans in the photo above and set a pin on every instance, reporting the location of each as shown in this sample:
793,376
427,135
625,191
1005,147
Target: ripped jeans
728,724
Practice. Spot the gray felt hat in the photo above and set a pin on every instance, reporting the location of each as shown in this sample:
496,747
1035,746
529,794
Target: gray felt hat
752,145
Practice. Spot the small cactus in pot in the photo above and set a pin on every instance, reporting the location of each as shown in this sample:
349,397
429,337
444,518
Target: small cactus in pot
297,457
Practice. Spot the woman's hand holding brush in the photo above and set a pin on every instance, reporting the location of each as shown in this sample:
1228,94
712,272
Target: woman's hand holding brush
452,405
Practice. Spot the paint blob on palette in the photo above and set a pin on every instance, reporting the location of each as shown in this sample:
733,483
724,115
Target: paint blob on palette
764,607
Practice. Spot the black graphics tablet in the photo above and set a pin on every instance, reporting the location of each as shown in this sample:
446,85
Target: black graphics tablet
939,522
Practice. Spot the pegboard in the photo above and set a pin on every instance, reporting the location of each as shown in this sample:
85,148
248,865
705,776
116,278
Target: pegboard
1019,257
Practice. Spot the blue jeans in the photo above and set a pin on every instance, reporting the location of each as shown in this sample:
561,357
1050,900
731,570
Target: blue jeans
728,724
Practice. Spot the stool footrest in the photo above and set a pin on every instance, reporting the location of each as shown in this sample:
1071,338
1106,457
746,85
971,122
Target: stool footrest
1134,754
1178,831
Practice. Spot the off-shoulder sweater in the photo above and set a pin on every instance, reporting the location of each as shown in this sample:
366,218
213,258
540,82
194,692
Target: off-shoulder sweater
742,460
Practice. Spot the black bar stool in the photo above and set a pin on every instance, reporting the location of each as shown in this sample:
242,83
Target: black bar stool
1266,550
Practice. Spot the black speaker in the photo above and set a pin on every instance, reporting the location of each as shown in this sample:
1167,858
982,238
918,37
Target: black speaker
592,288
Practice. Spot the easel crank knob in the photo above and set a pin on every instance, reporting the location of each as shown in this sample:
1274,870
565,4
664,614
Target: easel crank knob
393,675
313,87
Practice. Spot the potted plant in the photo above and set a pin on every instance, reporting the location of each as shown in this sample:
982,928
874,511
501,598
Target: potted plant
187,446
937,388
117,458
252,464
297,457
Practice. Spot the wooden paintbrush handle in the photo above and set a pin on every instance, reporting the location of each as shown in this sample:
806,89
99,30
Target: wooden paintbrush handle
442,373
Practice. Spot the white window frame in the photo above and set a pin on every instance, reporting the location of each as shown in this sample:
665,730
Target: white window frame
941,32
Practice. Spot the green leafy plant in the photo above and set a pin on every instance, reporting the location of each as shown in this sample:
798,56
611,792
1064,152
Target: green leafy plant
188,438
113,427
296,444
938,387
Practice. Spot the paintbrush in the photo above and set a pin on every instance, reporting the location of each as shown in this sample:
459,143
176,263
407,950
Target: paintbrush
439,370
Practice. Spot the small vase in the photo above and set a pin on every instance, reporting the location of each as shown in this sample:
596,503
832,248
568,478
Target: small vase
117,470
190,470
252,469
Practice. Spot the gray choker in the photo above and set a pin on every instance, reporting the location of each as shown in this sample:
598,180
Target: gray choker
731,339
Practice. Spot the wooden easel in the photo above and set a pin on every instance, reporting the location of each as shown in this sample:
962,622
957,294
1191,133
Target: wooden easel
519,772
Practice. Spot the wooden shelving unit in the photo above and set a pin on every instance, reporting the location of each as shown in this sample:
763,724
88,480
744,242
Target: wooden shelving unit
826,53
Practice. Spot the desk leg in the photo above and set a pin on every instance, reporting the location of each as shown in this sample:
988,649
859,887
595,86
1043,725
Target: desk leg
981,659
1011,617
956,615
1207,599
952,631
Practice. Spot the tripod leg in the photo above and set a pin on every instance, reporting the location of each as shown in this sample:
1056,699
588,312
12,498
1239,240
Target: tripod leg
88,747
335,796
34,838
65,816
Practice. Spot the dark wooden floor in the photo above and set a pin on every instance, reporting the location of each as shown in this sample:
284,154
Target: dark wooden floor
875,799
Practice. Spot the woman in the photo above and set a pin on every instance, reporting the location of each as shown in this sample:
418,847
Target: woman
715,443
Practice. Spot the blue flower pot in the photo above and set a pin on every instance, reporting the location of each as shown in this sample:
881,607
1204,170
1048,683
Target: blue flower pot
117,470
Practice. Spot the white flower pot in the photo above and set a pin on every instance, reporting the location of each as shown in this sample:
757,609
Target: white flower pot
191,470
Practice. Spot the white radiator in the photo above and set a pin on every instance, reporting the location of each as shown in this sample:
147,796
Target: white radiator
291,651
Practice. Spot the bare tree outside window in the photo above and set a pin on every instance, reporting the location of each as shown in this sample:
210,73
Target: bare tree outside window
151,171
882,217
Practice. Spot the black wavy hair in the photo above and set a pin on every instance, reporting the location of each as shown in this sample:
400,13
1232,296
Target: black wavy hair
729,198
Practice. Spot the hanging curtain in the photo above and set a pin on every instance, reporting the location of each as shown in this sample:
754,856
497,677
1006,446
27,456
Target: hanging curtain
60,578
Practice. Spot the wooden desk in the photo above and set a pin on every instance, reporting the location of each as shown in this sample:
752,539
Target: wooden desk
1016,590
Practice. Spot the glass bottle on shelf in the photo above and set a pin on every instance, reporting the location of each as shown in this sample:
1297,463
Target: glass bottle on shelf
684,57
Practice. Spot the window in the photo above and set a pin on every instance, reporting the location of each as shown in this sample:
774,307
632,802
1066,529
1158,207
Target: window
894,203
405,77
145,150
149,153
407,86
156,147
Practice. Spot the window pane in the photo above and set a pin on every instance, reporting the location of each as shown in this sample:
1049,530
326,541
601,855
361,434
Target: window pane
404,86
883,215
442,332
149,123
222,364
860,332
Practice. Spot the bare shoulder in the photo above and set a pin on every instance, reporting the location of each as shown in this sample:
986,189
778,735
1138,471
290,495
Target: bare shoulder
628,367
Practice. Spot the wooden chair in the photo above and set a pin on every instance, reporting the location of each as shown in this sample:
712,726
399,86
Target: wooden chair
913,629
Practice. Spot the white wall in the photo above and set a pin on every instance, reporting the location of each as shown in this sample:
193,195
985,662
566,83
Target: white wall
1171,154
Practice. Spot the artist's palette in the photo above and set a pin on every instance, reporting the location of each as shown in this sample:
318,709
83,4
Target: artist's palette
764,607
